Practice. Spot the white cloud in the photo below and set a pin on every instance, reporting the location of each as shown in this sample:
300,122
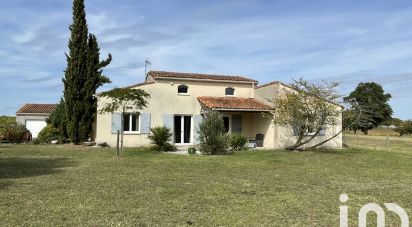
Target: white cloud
268,41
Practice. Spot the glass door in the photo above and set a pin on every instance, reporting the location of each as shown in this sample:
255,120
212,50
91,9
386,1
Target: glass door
178,129
182,129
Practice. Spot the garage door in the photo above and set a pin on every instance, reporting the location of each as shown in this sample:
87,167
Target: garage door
35,126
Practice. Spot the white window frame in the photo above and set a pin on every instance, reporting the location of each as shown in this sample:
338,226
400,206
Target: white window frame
131,123
181,93
182,133
321,132
234,91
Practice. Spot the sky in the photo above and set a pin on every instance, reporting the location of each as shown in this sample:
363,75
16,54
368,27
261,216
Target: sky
343,41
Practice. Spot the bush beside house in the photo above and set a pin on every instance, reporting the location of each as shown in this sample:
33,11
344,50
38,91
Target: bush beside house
160,137
212,136
237,141
50,133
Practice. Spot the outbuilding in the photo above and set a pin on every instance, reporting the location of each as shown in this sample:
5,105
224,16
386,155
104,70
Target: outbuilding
34,117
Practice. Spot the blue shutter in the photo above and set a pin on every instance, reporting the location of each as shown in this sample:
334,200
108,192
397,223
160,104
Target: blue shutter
196,121
116,122
145,123
168,122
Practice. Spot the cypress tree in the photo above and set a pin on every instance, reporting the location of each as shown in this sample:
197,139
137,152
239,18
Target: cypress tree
57,119
94,80
76,72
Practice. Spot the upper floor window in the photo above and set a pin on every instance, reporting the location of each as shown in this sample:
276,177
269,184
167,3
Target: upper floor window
182,89
229,91
131,122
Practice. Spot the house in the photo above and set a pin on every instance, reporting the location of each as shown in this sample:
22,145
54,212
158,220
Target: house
178,101
34,116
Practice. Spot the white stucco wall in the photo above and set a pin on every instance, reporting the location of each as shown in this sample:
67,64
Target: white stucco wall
283,136
165,100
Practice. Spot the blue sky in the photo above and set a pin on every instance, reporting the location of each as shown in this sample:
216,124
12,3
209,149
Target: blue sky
346,41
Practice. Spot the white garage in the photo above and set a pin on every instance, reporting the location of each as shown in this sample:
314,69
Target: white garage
35,126
34,116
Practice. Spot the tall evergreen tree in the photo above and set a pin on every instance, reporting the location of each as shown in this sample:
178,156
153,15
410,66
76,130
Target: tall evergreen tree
76,72
83,76
94,80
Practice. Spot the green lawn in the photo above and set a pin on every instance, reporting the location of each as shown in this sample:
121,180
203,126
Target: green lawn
66,185
388,143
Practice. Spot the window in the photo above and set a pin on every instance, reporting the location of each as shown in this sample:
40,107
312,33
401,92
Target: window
229,91
310,131
183,89
131,122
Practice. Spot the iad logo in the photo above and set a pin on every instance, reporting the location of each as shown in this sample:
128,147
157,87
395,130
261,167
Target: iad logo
372,207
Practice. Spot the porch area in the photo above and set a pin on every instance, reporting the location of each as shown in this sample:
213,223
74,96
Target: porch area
243,115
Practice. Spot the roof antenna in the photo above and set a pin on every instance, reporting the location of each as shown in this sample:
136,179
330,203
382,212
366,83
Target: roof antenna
147,63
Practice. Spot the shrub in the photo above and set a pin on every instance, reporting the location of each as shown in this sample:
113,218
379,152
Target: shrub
237,141
5,122
14,133
191,150
57,119
212,137
405,128
35,141
49,133
160,137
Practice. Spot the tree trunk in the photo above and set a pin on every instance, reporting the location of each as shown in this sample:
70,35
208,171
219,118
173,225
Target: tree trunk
323,142
297,143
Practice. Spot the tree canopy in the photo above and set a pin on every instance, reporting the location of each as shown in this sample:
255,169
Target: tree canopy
308,108
404,128
371,97
122,98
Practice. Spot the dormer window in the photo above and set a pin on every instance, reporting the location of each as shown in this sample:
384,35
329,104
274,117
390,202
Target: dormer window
183,89
229,91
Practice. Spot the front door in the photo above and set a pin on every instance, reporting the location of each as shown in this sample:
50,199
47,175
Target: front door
182,129
226,123
236,123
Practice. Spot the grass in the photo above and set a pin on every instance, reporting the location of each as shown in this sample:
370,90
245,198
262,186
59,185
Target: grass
388,143
77,186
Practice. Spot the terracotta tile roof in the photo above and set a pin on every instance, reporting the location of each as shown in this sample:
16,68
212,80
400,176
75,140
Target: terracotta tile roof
37,108
198,76
232,103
